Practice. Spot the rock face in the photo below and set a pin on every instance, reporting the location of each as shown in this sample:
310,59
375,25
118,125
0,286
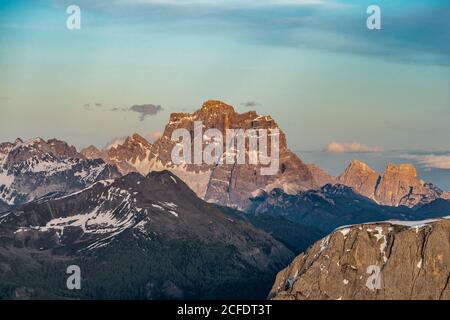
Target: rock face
391,260
130,156
32,169
321,177
92,152
152,236
446,195
398,185
231,185
361,178
227,184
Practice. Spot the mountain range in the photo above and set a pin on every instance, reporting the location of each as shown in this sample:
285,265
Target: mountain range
165,230
336,205
32,169
152,231
228,185
234,185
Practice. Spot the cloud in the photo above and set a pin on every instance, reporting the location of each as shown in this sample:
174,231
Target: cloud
222,3
90,106
354,147
251,104
154,135
432,161
145,110
115,142
413,32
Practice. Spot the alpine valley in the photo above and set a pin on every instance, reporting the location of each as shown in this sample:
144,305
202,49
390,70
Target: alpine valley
141,227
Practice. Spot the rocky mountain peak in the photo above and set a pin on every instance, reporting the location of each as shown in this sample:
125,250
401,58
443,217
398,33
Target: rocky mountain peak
398,185
131,156
228,184
138,140
63,149
92,152
5,147
216,106
38,148
219,115
30,143
404,169
176,117
90,149
34,168
359,166
362,178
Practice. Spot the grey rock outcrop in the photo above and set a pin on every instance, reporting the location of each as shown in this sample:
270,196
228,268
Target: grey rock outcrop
389,260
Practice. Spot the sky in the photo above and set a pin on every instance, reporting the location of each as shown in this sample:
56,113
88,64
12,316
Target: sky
335,87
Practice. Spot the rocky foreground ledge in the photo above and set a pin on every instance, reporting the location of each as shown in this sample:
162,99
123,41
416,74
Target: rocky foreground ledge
386,260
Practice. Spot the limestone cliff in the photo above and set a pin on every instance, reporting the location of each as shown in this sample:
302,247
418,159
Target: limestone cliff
388,260
398,185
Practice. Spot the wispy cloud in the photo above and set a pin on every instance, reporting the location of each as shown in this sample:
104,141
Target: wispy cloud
412,31
251,104
354,147
154,135
431,161
91,106
145,110
115,142
223,3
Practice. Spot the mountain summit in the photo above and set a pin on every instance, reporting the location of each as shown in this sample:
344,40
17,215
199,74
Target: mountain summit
398,185
130,156
35,168
226,184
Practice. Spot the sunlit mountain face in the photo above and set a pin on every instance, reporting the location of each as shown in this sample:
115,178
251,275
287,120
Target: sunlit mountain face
224,149
431,166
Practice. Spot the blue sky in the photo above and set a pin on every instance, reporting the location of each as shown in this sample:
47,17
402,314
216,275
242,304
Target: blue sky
312,64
